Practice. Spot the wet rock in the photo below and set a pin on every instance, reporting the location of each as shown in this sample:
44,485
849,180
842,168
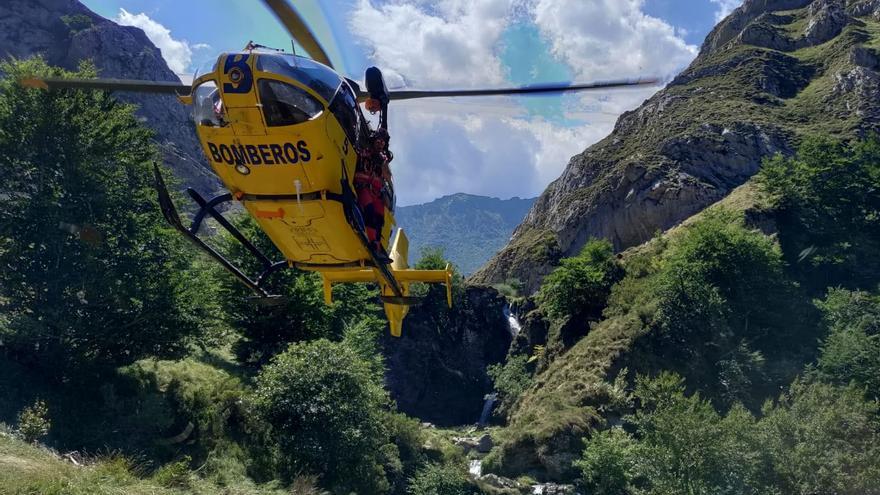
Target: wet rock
437,370
553,489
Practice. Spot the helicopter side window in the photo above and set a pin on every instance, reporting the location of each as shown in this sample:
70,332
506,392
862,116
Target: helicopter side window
285,104
208,106
344,108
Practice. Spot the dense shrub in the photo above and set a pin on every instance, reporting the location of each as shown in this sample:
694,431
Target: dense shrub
33,421
609,462
851,351
823,439
724,305
441,479
818,438
324,408
92,274
828,197
510,380
580,286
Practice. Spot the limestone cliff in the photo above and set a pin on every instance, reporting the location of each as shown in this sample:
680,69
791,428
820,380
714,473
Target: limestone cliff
65,33
773,71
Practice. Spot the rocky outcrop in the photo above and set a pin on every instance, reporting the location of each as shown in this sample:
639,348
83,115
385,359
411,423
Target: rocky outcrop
66,33
770,73
437,369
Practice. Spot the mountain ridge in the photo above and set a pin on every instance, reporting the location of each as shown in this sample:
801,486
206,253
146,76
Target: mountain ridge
771,72
468,228
66,33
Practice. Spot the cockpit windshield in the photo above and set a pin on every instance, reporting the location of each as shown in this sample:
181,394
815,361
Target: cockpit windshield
318,77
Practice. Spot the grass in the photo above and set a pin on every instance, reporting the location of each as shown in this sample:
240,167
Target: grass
32,469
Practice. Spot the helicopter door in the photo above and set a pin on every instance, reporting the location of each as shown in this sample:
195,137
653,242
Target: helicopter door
240,97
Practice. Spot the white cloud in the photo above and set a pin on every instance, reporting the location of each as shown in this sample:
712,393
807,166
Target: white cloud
492,146
177,53
450,42
605,39
438,154
725,7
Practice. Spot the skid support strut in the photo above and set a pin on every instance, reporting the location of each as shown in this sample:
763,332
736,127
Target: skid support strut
208,208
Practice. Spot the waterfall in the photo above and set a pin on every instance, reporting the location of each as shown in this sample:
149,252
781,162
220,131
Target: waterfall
512,322
475,467
487,409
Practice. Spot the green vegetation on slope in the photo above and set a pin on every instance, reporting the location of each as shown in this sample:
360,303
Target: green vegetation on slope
717,302
817,438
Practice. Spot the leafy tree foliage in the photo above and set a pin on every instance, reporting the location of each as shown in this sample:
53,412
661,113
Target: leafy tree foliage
609,463
851,351
829,199
91,274
818,438
510,379
724,303
441,479
823,439
33,421
324,407
579,288
300,313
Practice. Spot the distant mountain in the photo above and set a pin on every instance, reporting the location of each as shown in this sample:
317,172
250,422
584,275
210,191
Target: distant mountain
66,32
469,229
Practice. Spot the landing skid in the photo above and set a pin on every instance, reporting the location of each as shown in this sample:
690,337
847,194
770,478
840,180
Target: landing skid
208,208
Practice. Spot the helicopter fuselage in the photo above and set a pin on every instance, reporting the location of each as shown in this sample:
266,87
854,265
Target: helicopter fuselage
284,140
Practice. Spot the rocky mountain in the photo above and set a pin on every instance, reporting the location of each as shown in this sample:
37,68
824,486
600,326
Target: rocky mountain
436,371
772,72
469,229
65,33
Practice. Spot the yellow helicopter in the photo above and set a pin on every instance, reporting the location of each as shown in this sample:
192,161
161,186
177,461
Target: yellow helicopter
287,137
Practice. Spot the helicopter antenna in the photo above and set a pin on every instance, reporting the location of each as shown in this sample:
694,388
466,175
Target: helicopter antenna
293,47
251,46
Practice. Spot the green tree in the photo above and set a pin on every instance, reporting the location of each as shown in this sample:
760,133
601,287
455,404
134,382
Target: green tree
687,447
609,462
33,421
851,351
725,306
92,275
580,286
823,439
828,197
325,407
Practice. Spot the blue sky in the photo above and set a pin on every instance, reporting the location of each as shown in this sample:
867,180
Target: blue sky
494,146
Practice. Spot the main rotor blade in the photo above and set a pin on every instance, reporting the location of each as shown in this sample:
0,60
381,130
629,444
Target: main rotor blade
298,29
526,90
162,87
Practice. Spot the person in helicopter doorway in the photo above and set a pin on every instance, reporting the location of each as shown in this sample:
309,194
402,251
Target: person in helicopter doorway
370,179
